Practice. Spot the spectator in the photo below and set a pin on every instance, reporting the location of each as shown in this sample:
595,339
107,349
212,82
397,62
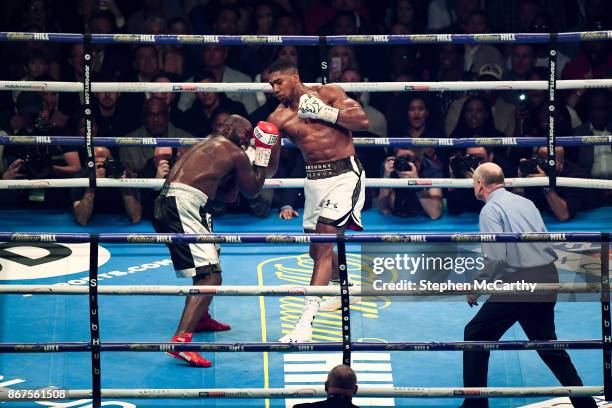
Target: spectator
198,118
176,115
460,200
51,114
107,60
71,101
403,61
267,100
414,120
448,66
225,21
593,61
597,160
89,201
522,62
31,118
158,167
403,202
459,12
563,202
541,24
214,58
111,116
145,63
35,64
255,57
288,24
341,57
378,123
528,104
156,124
475,120
503,112
478,55
178,59
404,12
150,9
340,387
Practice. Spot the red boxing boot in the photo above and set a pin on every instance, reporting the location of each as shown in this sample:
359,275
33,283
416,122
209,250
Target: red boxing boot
208,324
191,357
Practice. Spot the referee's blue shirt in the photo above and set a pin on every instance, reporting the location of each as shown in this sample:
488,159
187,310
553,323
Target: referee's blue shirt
508,212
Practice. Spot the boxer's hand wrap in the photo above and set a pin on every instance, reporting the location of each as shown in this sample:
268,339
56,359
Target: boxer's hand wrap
266,134
311,107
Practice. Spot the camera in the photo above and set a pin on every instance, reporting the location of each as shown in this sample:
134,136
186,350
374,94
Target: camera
464,164
529,166
36,164
523,101
114,168
403,163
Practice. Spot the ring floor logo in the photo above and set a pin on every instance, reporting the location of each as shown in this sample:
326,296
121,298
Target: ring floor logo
39,260
307,370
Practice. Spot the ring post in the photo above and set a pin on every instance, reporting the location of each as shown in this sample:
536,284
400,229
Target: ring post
605,315
87,112
551,170
344,300
94,326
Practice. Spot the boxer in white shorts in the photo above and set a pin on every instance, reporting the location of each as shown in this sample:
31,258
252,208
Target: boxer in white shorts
320,120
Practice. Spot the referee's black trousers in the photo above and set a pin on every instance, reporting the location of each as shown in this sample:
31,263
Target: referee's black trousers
538,321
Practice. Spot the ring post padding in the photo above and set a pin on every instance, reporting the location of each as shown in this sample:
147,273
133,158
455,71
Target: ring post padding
551,170
344,300
87,112
94,324
605,315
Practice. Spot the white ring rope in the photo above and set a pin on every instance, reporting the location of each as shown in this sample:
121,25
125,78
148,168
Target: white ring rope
299,183
282,290
319,392
249,87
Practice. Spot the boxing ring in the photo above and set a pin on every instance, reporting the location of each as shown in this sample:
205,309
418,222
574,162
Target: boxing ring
51,349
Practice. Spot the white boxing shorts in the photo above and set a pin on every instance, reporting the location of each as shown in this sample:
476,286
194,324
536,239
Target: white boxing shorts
334,194
181,209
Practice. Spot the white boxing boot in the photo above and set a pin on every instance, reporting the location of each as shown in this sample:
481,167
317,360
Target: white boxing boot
302,332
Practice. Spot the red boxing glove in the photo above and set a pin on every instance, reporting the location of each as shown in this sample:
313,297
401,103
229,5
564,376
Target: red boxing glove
265,134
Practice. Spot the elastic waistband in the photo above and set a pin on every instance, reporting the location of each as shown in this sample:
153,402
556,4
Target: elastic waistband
186,192
331,169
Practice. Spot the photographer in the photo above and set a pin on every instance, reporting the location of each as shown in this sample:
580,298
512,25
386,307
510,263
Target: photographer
31,117
462,165
403,202
157,167
88,201
563,202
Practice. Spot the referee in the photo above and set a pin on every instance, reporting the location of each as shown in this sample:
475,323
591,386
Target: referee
534,262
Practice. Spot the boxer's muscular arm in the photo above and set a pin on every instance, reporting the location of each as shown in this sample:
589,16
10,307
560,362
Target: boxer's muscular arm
351,115
250,179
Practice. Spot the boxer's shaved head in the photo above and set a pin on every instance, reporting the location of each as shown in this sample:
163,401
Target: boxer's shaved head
237,129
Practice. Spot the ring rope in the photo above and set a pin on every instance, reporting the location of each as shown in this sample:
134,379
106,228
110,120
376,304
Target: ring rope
506,345
282,290
248,87
357,141
311,40
319,392
153,238
299,183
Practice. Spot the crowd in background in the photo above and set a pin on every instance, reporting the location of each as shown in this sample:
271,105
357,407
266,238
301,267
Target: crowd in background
471,114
